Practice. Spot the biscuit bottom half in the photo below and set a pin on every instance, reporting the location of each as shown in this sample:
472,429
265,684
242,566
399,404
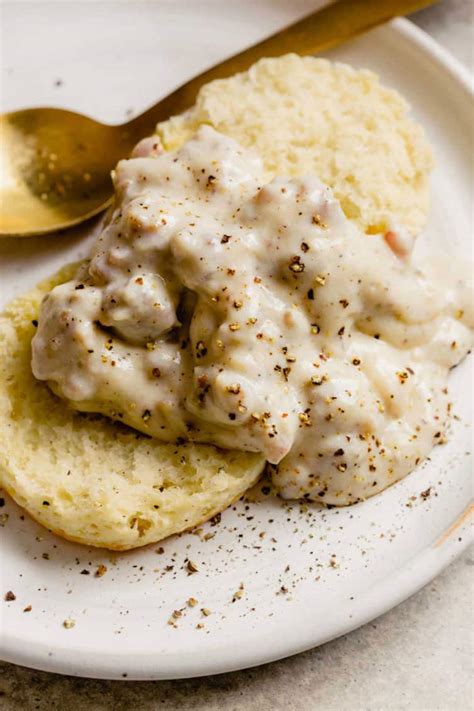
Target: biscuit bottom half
92,480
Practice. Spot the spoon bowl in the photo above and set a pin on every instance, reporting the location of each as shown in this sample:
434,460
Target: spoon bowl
55,168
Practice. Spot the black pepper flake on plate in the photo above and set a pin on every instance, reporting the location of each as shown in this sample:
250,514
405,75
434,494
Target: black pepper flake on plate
35,323
426,493
191,567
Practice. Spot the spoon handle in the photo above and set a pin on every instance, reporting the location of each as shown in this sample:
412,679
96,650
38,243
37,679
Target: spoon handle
323,29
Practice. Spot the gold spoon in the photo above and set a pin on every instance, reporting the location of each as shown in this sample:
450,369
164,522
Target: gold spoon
55,164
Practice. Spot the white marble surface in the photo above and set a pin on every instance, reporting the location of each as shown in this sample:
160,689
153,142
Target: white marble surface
416,657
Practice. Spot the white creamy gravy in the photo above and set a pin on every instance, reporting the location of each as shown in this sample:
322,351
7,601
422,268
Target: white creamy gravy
255,316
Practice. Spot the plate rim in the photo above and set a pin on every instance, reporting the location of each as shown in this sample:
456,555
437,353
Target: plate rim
391,591
409,579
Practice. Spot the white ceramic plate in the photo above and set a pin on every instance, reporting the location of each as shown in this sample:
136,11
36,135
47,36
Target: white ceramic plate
339,568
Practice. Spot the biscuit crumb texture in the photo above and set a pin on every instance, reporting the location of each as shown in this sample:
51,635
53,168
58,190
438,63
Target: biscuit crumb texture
311,116
89,479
